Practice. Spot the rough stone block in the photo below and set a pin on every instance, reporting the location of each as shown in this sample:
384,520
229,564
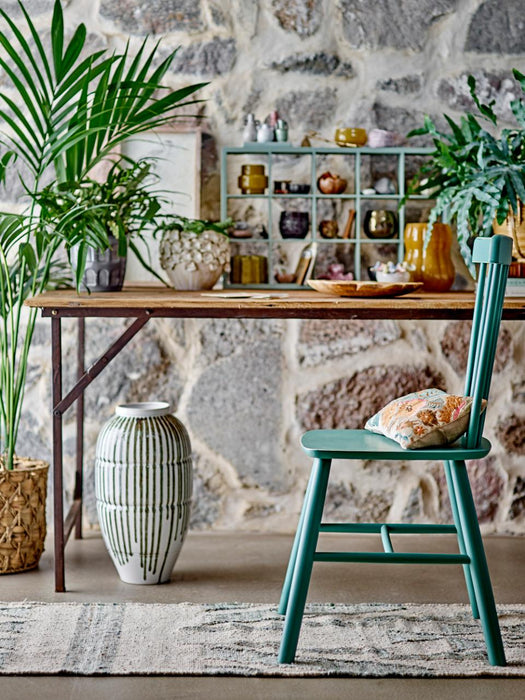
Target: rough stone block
320,63
455,345
406,85
311,108
223,337
401,120
300,16
511,434
388,23
235,408
214,57
349,402
487,484
517,507
321,340
498,87
497,27
155,16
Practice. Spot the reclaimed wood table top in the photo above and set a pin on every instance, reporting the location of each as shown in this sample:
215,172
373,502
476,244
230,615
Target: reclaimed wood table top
255,303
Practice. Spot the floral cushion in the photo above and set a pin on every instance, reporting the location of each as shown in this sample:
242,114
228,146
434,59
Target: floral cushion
425,418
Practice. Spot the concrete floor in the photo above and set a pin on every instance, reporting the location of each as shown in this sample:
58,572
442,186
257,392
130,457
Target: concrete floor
250,567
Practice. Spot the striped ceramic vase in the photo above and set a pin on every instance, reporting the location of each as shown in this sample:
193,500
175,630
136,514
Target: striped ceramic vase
143,487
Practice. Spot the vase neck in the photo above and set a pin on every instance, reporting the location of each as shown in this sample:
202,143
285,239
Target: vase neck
146,409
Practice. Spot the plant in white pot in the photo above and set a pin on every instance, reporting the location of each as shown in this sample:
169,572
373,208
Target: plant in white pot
63,110
193,252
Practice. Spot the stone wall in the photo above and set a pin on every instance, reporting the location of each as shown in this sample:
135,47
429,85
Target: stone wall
247,389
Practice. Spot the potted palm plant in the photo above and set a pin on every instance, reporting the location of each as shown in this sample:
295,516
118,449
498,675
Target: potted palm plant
63,110
477,172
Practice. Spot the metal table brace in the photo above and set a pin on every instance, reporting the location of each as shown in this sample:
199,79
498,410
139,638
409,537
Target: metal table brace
63,528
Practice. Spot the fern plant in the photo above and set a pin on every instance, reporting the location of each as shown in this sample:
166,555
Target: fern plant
63,109
478,173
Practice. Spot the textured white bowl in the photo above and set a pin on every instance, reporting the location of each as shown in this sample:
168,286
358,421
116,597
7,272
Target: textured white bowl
397,276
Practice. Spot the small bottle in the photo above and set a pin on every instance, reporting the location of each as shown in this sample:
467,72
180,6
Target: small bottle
249,133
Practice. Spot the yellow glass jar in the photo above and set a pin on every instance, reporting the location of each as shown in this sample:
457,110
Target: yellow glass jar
432,266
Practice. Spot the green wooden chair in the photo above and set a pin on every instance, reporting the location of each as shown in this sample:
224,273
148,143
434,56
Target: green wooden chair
494,256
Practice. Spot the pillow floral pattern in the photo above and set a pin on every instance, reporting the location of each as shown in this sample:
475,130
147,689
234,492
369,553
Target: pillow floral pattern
425,418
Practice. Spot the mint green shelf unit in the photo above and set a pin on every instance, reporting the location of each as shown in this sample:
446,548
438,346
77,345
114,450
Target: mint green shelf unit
358,238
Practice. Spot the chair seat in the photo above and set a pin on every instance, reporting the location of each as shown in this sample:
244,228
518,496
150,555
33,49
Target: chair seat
362,444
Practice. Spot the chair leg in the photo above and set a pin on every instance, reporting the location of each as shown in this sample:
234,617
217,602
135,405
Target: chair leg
461,541
478,564
285,594
304,561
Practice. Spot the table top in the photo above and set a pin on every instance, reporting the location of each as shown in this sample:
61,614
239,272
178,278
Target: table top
254,303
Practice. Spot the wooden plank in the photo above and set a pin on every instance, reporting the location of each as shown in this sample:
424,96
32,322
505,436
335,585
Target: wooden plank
160,301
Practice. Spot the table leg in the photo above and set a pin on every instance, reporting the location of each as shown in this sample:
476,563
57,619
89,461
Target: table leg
79,478
56,358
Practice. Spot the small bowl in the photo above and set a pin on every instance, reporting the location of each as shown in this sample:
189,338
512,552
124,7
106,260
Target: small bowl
294,224
397,276
296,188
353,137
328,228
281,186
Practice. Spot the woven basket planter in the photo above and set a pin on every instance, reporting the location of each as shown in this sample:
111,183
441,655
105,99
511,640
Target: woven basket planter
22,515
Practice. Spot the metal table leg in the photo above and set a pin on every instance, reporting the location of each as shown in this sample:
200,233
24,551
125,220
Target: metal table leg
56,354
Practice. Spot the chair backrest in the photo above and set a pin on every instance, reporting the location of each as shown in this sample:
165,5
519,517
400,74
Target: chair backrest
494,255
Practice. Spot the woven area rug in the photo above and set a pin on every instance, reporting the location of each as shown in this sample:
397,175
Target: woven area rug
243,640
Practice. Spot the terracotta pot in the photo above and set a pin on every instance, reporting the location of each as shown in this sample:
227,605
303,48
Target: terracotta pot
514,226
433,266
23,493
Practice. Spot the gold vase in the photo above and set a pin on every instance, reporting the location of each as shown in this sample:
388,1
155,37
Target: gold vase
433,265
514,226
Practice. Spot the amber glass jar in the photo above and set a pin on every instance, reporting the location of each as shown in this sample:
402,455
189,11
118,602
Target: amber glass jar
433,266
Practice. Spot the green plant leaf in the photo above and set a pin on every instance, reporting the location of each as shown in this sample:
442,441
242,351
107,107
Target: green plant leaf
73,50
27,253
57,39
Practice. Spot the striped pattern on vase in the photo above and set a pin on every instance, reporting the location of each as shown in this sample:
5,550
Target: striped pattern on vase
143,488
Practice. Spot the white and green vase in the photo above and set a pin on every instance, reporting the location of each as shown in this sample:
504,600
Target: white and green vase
143,487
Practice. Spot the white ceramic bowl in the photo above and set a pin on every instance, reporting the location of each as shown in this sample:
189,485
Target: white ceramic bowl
397,276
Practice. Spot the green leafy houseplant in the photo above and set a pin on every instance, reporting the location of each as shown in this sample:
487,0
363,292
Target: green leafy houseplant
478,173
119,208
62,111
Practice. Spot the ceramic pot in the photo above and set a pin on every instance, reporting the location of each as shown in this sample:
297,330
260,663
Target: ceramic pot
328,228
294,224
23,493
380,223
433,265
331,184
514,226
143,488
350,137
194,261
252,179
105,270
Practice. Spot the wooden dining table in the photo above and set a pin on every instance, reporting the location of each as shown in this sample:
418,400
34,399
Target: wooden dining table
142,303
